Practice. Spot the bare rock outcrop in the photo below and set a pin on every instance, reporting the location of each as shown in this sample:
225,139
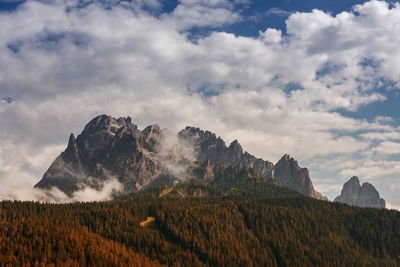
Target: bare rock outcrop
107,147
288,173
208,146
365,195
116,148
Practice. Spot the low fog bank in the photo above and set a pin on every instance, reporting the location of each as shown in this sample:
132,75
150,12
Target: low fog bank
54,195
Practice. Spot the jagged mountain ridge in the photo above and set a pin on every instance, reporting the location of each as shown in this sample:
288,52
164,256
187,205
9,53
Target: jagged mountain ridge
287,171
365,195
109,147
212,148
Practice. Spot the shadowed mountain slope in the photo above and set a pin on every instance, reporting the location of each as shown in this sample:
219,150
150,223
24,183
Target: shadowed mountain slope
117,149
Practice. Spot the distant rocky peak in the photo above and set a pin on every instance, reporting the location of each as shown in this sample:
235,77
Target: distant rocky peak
288,172
286,169
208,146
364,195
369,189
235,153
125,121
190,131
284,159
236,146
115,146
71,153
354,180
352,185
71,143
198,136
105,123
153,136
288,161
152,130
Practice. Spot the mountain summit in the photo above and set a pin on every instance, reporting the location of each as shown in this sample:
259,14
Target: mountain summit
116,148
288,173
364,195
209,147
106,148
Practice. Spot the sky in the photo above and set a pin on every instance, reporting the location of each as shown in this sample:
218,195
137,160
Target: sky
318,80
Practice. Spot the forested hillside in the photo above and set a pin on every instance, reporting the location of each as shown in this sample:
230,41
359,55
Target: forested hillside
233,230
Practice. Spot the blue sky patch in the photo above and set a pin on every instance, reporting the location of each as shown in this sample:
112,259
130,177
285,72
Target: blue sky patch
7,99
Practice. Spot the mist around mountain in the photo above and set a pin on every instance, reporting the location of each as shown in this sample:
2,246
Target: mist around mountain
114,157
188,199
110,149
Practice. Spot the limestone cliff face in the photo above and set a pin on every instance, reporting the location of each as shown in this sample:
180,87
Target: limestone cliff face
215,172
116,148
209,147
107,147
288,173
364,195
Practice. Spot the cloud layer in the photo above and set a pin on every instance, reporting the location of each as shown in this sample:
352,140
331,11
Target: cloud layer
62,63
26,192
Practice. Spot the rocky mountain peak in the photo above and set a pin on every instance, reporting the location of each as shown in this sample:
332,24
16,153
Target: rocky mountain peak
288,172
105,123
364,195
352,186
210,147
151,130
235,143
109,147
284,160
234,153
71,153
152,134
199,136
206,144
367,187
71,143
354,180
235,146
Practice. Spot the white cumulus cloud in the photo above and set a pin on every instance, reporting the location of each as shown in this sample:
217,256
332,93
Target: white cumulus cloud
276,93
